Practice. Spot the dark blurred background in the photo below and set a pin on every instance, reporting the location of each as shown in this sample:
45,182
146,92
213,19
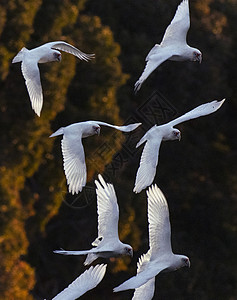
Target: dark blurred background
198,175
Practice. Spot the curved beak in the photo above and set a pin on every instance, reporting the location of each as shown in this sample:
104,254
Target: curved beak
59,57
199,59
98,131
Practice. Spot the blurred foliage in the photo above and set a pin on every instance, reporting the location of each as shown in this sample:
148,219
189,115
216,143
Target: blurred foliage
198,175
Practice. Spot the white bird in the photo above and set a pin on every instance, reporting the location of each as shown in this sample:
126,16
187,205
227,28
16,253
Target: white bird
73,151
173,46
161,255
107,244
147,290
42,54
154,136
85,282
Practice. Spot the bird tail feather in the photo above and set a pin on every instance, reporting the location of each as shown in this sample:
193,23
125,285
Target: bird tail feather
19,56
58,132
90,258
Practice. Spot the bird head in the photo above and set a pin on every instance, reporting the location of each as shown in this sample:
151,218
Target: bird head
96,129
128,250
175,135
185,261
57,56
197,56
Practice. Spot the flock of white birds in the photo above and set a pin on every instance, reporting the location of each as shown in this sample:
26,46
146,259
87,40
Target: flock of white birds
160,257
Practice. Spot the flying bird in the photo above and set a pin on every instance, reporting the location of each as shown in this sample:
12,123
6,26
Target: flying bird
85,282
153,138
107,244
147,290
173,45
73,151
42,54
160,256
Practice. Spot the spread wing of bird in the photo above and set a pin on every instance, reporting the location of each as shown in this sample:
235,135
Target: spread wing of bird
85,282
201,110
176,32
159,236
143,277
108,210
155,57
148,163
74,161
63,46
159,223
125,128
30,71
145,291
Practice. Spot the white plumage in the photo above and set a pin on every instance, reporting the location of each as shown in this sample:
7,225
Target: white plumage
153,138
173,45
147,290
73,152
85,282
42,54
160,256
107,244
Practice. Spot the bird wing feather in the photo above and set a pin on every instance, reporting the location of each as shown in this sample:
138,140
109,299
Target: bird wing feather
141,278
125,128
107,208
74,161
159,223
148,163
145,291
63,46
30,71
201,110
155,57
85,282
176,32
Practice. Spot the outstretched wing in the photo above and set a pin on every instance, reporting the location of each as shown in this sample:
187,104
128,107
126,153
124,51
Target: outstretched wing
31,74
63,46
155,57
148,163
201,110
85,282
125,128
176,32
76,252
159,223
107,208
145,291
141,278
74,162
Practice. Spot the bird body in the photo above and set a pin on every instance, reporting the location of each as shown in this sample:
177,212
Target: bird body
173,45
154,136
107,244
73,152
30,59
160,257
